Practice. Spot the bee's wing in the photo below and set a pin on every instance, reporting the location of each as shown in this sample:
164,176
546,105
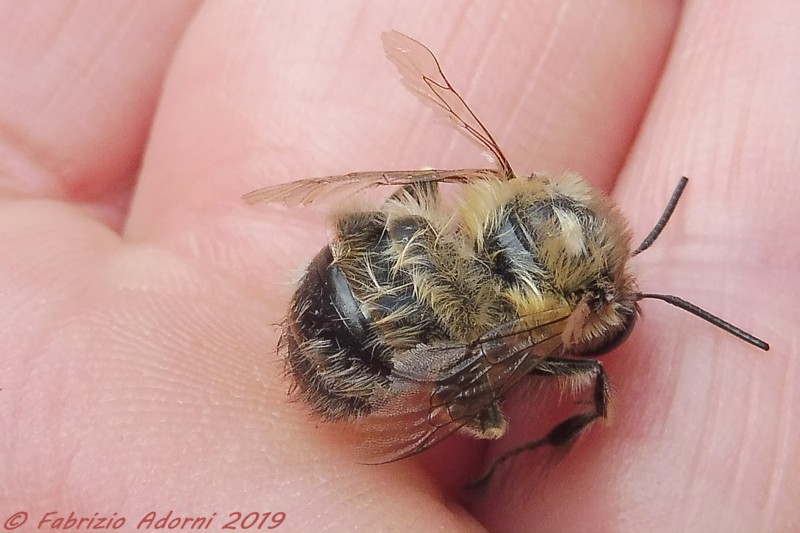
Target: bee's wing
423,75
303,192
436,390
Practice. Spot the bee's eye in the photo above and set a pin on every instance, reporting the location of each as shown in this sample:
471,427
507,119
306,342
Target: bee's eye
597,299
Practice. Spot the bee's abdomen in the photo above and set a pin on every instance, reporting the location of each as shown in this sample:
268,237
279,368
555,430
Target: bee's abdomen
332,352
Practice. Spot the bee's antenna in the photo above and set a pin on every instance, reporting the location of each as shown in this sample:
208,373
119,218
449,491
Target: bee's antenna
656,231
708,317
680,302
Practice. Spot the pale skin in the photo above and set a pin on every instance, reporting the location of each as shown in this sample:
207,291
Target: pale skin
138,353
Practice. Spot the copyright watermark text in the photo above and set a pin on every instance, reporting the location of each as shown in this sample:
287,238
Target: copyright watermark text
149,521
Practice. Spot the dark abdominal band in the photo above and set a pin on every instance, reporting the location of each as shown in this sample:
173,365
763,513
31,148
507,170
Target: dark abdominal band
344,352
514,243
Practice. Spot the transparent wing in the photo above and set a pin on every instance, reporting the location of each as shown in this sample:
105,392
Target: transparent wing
437,390
303,192
423,75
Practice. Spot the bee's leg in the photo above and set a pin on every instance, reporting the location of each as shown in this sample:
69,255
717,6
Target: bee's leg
423,192
490,423
580,370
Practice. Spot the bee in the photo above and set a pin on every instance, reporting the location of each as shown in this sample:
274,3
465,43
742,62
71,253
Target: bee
417,319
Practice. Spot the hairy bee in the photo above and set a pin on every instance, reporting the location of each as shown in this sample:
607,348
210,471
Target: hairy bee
416,320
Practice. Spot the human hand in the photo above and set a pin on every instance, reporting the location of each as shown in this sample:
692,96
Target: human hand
138,360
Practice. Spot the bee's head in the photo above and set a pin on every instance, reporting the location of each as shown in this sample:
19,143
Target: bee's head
605,313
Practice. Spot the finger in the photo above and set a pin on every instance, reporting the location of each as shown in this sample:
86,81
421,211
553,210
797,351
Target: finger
303,455
80,82
726,417
694,406
308,98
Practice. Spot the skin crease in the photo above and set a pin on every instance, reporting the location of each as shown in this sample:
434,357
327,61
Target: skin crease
138,353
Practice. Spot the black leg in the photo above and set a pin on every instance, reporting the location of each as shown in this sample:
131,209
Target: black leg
580,370
569,429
